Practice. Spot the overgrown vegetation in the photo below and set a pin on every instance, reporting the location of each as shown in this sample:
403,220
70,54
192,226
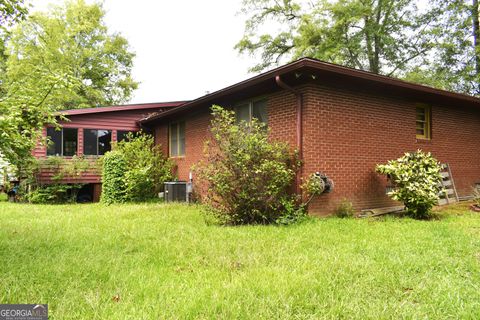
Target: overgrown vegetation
344,209
162,261
417,182
135,170
247,177
35,189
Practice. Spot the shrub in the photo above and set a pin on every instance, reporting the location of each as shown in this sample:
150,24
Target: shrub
35,190
147,167
113,178
144,169
417,181
246,177
344,210
54,193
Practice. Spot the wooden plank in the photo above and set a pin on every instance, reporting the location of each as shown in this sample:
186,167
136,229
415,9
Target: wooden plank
444,174
442,202
447,183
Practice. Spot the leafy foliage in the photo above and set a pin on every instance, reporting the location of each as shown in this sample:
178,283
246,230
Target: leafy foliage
54,193
136,171
73,39
454,62
34,190
147,167
113,178
378,36
344,210
247,177
417,180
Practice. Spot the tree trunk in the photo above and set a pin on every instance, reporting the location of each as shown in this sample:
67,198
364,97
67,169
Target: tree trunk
476,40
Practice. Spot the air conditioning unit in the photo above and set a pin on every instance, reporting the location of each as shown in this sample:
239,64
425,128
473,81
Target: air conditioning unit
178,191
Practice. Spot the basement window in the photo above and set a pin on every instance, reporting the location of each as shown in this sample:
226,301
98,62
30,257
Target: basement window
62,142
423,122
177,139
96,142
252,109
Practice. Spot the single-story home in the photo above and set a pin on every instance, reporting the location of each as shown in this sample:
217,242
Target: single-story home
343,121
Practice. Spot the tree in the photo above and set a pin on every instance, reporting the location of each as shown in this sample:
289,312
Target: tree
61,59
73,38
11,12
454,62
381,36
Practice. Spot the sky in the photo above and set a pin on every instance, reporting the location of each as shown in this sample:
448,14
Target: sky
184,48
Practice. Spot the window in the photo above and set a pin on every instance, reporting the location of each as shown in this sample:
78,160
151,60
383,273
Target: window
96,142
122,135
62,142
254,109
177,139
423,122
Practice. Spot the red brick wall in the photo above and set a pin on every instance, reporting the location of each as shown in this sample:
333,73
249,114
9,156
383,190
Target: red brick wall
347,132
196,129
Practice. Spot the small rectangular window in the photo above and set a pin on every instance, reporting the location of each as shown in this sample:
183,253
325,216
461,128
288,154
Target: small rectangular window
96,142
253,109
177,139
62,142
423,122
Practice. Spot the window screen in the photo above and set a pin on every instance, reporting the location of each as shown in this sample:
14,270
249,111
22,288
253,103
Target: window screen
242,112
177,139
253,109
259,110
70,141
104,141
54,147
423,124
90,142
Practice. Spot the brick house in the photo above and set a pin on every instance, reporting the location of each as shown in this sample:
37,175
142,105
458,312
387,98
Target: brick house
343,121
89,133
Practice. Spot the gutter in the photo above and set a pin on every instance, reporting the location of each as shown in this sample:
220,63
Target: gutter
299,108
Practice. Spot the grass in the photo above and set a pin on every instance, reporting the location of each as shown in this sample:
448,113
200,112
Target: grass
162,261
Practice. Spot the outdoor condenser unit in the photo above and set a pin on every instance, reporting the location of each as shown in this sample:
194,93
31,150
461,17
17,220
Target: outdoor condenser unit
178,191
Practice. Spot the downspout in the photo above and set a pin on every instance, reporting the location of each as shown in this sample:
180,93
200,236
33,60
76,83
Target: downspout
299,97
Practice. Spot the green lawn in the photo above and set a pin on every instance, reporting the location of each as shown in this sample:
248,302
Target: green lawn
162,261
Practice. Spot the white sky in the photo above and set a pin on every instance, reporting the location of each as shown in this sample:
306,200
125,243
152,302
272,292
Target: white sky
183,47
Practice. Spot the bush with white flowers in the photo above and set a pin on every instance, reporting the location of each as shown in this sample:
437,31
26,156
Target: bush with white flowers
417,182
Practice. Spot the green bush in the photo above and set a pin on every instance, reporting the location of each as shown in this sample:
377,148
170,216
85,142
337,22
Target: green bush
53,193
417,182
246,177
344,210
114,167
141,172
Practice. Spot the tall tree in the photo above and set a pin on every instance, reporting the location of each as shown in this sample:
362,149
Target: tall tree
64,58
381,36
74,38
454,63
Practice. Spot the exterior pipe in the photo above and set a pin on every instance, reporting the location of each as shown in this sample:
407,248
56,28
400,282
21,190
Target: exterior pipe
299,97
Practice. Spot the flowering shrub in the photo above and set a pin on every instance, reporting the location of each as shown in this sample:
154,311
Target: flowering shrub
247,177
417,180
